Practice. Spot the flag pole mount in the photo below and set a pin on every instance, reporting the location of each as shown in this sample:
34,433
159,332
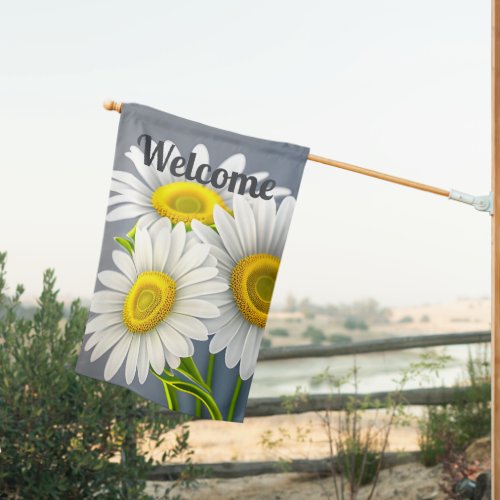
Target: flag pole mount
481,203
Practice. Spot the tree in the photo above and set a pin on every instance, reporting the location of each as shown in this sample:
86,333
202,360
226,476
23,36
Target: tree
315,334
59,430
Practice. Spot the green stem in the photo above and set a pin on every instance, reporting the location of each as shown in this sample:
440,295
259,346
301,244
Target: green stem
210,373
234,400
210,370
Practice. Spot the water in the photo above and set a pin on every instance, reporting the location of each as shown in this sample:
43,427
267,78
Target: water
376,372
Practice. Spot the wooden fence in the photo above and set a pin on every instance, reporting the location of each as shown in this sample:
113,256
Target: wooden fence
259,407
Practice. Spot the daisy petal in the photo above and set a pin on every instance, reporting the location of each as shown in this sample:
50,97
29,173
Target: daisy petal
172,360
202,158
125,264
206,233
194,307
245,224
103,321
187,326
197,276
132,181
226,226
281,191
161,247
265,215
200,289
142,361
177,242
155,351
158,224
147,173
147,220
235,163
190,260
130,196
283,219
117,357
143,254
250,352
108,342
235,347
128,211
111,331
176,343
115,281
132,357
107,301
224,336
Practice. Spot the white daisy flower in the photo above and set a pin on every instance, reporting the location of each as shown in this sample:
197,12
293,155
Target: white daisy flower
154,304
154,194
248,249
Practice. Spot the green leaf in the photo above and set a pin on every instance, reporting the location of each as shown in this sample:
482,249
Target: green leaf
189,369
171,396
193,389
125,244
131,233
234,399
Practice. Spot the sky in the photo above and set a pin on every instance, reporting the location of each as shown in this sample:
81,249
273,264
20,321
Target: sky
398,86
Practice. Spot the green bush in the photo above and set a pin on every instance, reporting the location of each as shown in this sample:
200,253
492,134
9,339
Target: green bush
358,461
314,334
451,428
353,323
406,319
63,435
338,338
279,332
265,343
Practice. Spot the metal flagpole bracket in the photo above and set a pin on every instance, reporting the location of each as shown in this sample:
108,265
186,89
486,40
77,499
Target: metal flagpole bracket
481,203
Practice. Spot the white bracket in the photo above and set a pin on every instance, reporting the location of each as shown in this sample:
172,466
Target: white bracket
481,203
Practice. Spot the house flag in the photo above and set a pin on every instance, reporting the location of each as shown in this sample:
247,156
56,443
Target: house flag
195,229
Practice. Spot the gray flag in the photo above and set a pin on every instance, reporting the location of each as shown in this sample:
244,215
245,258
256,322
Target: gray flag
195,229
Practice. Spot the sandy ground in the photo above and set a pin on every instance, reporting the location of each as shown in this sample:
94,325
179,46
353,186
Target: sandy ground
409,482
294,436
303,436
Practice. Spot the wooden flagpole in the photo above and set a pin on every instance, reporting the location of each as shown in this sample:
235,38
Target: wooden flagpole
495,249
117,106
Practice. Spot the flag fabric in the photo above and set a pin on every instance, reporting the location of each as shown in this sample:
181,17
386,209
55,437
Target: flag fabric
195,230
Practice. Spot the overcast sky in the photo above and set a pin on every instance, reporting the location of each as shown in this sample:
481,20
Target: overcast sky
398,86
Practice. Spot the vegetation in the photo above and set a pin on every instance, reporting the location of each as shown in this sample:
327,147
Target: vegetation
446,430
279,332
357,444
63,435
315,335
265,343
406,319
338,338
353,323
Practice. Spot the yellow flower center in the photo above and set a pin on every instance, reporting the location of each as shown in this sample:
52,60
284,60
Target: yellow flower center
149,301
185,201
252,283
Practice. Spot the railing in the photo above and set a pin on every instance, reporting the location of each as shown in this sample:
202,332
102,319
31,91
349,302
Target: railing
259,407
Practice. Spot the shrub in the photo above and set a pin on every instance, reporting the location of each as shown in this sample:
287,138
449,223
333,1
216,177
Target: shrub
265,343
338,338
314,334
59,432
406,319
279,332
353,323
449,429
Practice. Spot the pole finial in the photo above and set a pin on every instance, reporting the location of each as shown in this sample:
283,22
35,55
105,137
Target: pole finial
113,106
